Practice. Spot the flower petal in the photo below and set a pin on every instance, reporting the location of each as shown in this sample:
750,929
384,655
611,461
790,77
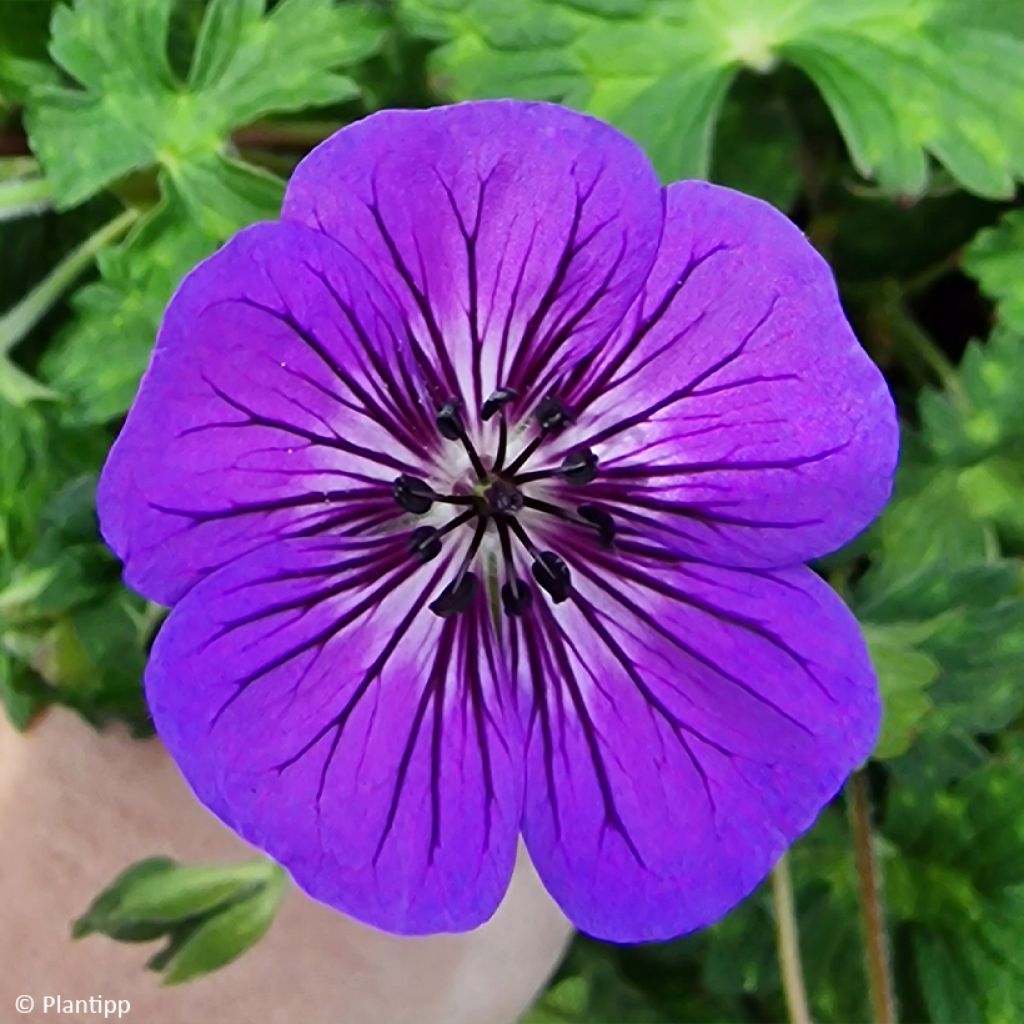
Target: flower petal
276,402
514,235
318,708
687,723
736,411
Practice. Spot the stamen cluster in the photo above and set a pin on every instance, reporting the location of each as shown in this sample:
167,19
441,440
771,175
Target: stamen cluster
496,501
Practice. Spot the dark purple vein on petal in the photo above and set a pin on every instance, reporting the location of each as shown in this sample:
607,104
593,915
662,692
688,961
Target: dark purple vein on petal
448,373
652,623
273,504
470,238
433,690
404,411
546,357
338,722
701,511
687,389
567,677
540,709
369,408
523,357
624,568
513,306
323,636
676,724
654,471
604,376
257,419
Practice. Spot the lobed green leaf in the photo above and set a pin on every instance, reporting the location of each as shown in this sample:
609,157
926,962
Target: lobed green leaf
904,81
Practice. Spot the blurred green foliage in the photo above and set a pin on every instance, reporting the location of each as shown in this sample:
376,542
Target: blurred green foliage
136,135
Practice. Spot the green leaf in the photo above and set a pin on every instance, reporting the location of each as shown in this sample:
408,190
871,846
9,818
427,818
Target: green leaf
103,914
911,566
96,362
36,460
977,422
77,636
994,490
17,322
996,259
980,648
93,657
959,880
209,915
23,63
250,67
565,1001
226,935
740,960
985,412
67,566
904,673
960,633
171,896
220,194
903,80
131,110
22,694
952,867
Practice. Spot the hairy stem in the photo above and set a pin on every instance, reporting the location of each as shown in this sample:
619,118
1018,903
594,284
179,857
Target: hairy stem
21,198
22,317
876,943
289,135
788,941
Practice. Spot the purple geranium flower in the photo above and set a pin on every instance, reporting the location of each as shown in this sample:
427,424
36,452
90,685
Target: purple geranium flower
480,485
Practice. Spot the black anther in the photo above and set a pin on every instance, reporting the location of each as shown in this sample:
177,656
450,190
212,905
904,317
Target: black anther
602,520
516,596
424,543
552,414
552,574
413,494
580,466
496,400
456,597
449,422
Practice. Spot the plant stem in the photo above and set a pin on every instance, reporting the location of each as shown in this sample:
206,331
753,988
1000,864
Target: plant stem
876,943
788,941
288,135
20,198
14,143
909,336
21,318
